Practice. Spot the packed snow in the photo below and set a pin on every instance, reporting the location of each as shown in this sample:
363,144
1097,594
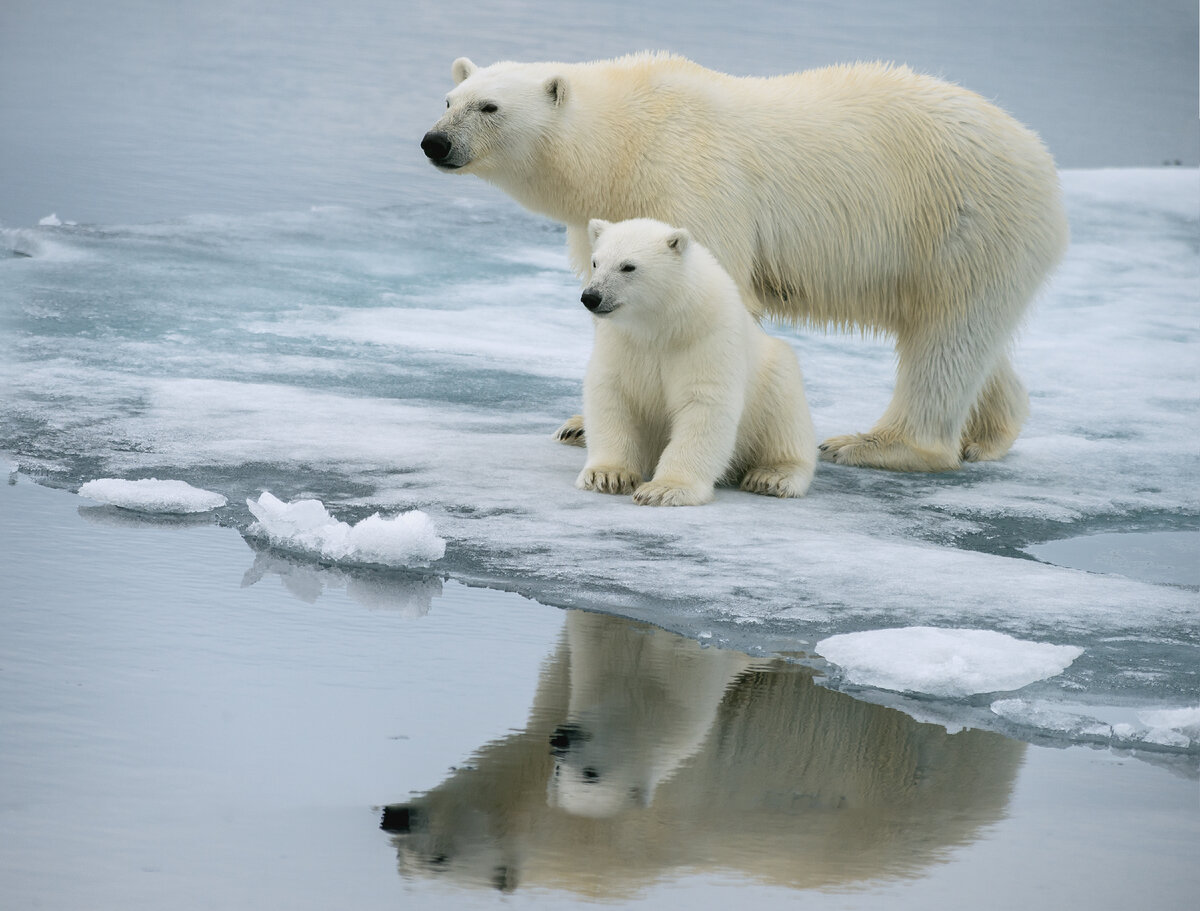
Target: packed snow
944,662
419,358
152,495
408,539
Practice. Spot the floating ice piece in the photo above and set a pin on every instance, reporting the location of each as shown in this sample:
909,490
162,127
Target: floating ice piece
1172,729
944,662
50,221
408,539
151,495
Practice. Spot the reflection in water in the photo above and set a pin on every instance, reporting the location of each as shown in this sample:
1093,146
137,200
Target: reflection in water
646,755
410,594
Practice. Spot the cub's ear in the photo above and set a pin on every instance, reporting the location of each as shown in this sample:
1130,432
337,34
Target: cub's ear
556,88
461,69
596,227
678,240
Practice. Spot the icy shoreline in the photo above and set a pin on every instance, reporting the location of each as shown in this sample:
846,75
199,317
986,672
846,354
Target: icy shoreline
407,359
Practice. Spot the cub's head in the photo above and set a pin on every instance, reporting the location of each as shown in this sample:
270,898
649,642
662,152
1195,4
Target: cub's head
637,266
495,116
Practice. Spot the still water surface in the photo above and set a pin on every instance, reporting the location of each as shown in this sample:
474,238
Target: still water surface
133,110
191,723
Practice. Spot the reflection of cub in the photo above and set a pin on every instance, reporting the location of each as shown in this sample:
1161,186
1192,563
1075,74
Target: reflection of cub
749,766
641,702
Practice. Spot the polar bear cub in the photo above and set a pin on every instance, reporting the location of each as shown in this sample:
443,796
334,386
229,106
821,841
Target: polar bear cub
683,386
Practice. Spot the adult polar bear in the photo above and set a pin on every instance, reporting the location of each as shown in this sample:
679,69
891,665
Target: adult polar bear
863,196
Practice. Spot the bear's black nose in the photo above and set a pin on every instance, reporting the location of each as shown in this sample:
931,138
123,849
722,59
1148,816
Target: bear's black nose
591,300
436,145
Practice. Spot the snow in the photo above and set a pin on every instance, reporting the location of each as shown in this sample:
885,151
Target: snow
152,495
408,539
944,662
419,358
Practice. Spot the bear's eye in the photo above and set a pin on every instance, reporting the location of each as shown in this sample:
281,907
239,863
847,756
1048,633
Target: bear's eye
627,267
489,108
447,104
593,264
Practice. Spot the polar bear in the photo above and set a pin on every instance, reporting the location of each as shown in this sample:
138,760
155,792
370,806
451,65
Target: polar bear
683,383
862,196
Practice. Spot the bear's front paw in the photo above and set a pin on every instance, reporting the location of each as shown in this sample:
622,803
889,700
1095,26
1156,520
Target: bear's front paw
571,432
666,493
777,482
608,480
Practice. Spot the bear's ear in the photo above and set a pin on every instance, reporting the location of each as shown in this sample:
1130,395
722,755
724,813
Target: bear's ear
678,240
556,88
596,227
461,69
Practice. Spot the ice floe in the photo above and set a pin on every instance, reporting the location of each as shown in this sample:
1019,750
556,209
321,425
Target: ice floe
408,539
944,662
152,495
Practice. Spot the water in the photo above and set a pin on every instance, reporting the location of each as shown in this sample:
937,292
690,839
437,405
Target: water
190,722
135,111
256,283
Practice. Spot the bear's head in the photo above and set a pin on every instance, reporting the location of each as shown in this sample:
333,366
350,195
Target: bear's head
495,117
637,268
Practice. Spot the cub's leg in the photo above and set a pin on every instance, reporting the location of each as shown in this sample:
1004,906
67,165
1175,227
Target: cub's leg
702,439
777,431
616,441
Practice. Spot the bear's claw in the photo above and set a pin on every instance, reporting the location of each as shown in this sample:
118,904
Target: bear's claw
608,480
571,432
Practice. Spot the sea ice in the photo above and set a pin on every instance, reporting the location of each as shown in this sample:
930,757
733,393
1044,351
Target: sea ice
944,662
152,495
408,539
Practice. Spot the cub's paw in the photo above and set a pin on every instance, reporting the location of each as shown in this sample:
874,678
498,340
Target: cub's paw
782,481
571,433
868,450
608,480
666,493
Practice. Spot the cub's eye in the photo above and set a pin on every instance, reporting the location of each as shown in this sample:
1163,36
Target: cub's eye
447,103
489,108
627,267
593,264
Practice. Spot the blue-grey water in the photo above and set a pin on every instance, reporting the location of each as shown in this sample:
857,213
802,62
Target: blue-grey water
135,111
253,281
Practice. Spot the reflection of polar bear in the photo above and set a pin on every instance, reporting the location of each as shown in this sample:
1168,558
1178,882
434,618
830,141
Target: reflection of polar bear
682,382
779,778
854,196
639,706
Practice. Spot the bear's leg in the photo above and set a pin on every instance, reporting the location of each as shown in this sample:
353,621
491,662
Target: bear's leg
940,376
997,416
702,439
616,443
571,432
781,442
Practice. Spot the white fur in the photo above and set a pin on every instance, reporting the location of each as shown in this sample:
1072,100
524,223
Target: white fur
683,384
860,196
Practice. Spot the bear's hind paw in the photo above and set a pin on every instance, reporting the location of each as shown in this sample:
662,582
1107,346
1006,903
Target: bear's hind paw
871,450
777,482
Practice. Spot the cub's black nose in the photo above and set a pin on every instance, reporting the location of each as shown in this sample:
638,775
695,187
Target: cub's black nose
435,145
591,300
